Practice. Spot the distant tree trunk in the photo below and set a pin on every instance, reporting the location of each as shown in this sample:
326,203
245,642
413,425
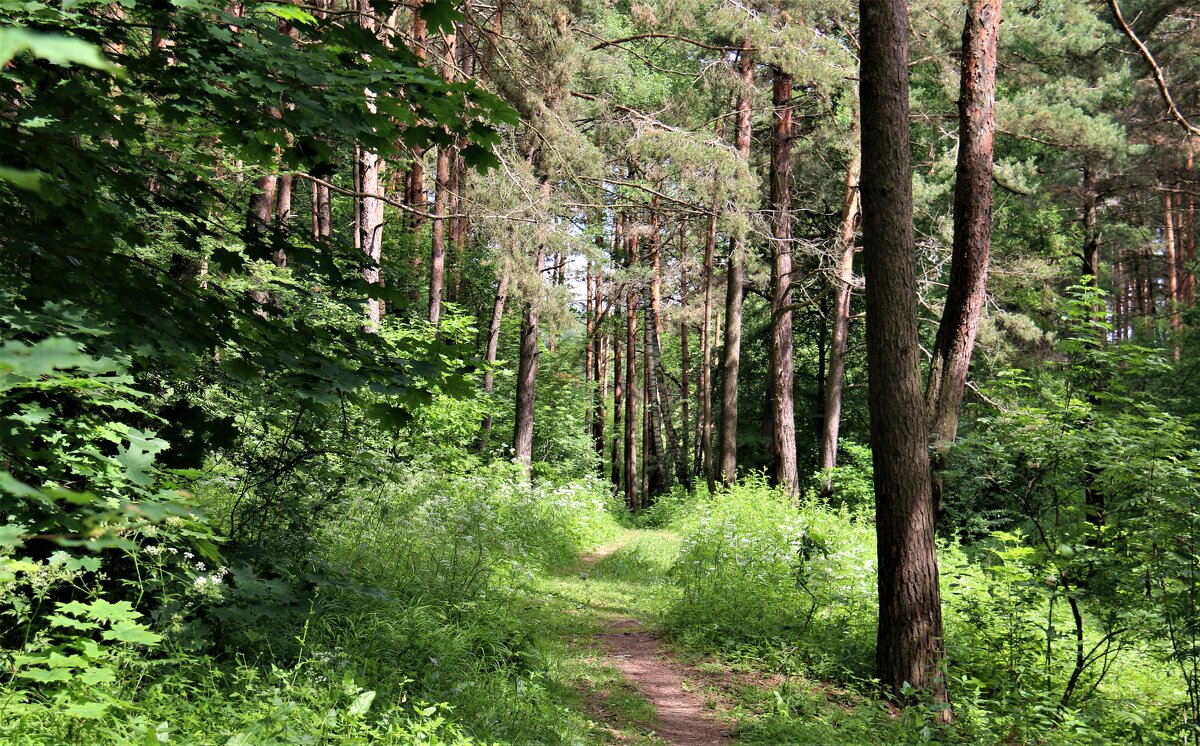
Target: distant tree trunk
1190,247
414,187
684,468
262,203
835,374
493,347
369,225
705,386
1091,237
322,209
782,369
528,363
909,646
732,352
618,410
967,291
662,424
599,374
632,499
1170,244
441,202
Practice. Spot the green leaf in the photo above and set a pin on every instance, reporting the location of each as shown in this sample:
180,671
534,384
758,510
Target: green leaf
55,48
362,704
95,676
45,676
440,15
291,13
87,710
136,634
30,181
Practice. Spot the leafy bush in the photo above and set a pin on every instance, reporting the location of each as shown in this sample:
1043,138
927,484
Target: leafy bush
756,570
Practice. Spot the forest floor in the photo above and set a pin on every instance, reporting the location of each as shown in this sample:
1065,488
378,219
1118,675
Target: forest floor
598,620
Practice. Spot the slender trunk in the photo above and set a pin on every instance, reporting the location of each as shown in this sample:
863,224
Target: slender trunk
1091,237
835,374
732,352
706,367
966,293
414,182
369,226
909,648
782,369
661,423
441,202
493,346
683,468
1170,244
528,363
618,411
632,499
322,223
1189,253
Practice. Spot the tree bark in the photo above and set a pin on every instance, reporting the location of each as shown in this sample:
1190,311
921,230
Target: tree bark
731,354
835,374
1091,236
618,469
369,225
441,201
684,469
1170,244
909,644
705,385
782,369
632,499
493,347
528,363
322,218
967,291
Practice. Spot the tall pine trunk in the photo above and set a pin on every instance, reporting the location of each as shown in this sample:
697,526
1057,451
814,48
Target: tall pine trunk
908,649
782,372
493,347
835,374
967,291
732,352
706,367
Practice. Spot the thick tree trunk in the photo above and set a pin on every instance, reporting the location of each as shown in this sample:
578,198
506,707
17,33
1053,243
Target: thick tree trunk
706,367
909,645
493,347
782,371
732,352
835,374
967,291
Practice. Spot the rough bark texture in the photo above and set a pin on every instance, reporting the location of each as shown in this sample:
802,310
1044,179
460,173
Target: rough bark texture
322,223
732,352
909,644
972,233
835,373
782,372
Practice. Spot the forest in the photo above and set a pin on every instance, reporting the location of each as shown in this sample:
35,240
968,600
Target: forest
599,372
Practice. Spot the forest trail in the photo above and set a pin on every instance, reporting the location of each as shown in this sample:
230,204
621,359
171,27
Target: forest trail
634,684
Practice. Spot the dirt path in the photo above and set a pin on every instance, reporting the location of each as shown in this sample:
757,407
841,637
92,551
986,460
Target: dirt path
681,717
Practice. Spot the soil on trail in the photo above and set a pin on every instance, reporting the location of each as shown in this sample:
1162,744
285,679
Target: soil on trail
682,717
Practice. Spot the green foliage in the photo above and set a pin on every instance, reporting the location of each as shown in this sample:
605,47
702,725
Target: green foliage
756,570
